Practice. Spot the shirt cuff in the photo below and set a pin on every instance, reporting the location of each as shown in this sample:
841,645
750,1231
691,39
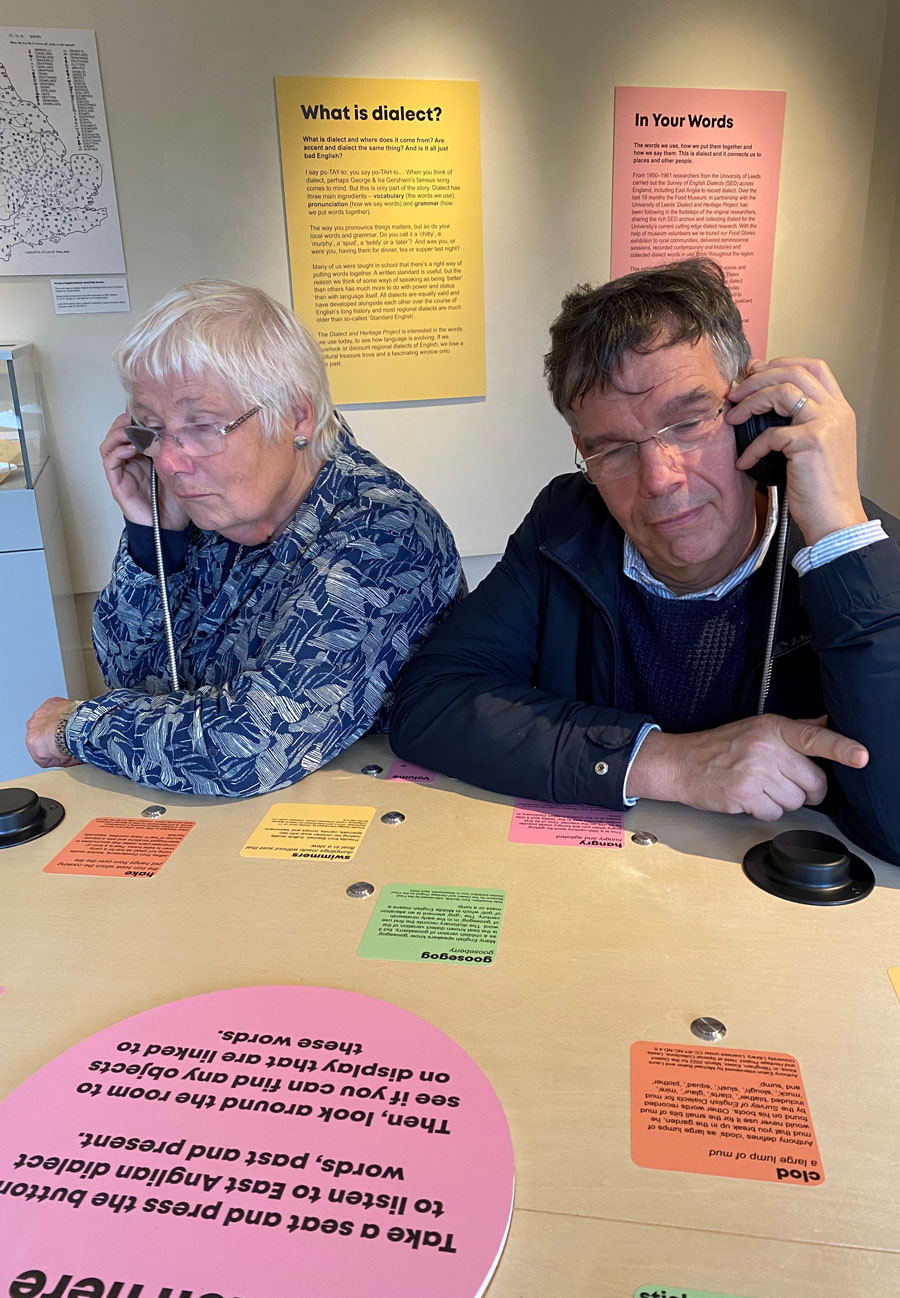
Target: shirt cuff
142,551
836,544
642,735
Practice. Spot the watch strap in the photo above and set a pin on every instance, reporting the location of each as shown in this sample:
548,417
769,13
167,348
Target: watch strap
59,734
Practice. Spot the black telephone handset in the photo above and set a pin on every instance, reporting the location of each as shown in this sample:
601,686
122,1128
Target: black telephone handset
142,439
771,470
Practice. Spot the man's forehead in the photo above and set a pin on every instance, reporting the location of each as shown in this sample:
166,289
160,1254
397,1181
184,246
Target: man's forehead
664,378
642,371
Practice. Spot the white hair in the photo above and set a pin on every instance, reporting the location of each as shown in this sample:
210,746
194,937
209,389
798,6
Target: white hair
245,338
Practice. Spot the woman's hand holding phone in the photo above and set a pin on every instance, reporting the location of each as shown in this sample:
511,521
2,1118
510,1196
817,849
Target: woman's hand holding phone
128,474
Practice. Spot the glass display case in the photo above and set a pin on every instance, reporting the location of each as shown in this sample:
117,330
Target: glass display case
40,653
23,442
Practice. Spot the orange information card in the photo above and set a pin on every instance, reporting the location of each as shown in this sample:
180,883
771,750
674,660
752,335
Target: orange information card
723,1112
122,847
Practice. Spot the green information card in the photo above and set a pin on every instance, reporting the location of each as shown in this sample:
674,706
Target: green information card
675,1291
444,925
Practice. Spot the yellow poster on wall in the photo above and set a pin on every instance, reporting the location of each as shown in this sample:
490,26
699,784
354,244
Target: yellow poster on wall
382,186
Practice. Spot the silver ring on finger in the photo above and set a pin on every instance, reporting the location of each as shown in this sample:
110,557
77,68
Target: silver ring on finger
798,407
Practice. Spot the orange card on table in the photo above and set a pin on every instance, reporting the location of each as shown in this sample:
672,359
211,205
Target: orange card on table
121,846
723,1112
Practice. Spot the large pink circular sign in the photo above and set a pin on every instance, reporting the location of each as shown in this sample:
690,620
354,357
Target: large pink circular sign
264,1142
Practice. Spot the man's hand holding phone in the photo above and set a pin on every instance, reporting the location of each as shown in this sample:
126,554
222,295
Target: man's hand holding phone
128,474
819,442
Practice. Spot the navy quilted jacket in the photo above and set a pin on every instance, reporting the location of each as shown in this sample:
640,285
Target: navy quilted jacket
516,690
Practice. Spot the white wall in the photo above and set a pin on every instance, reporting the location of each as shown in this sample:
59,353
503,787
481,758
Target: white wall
879,297
190,102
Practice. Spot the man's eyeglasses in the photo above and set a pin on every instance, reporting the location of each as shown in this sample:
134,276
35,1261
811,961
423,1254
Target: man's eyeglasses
199,439
619,459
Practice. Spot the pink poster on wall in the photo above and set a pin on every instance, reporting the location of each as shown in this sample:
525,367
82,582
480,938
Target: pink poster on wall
695,174
263,1142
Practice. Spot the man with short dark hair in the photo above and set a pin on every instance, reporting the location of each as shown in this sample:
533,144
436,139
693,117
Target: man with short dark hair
644,612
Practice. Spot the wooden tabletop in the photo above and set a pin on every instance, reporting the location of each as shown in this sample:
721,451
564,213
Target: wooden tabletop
599,948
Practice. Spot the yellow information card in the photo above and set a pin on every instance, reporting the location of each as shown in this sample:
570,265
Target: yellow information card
382,190
293,831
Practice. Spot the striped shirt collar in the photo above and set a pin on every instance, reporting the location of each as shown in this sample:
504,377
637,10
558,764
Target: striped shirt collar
633,564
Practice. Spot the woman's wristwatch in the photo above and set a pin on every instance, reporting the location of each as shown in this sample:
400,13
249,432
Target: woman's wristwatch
59,734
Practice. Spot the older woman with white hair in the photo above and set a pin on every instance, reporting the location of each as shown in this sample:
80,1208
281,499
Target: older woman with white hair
300,571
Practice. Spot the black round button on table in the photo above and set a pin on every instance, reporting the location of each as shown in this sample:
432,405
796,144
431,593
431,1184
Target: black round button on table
23,816
807,866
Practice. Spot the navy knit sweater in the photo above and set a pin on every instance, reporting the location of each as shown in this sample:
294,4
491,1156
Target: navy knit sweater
681,660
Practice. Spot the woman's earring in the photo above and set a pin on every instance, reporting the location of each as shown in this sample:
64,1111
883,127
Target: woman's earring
300,443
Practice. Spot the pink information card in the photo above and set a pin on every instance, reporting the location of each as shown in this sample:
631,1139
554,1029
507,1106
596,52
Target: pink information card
566,825
695,174
264,1142
408,771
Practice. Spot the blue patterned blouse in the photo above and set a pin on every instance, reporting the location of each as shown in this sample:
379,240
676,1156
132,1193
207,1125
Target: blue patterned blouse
286,651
